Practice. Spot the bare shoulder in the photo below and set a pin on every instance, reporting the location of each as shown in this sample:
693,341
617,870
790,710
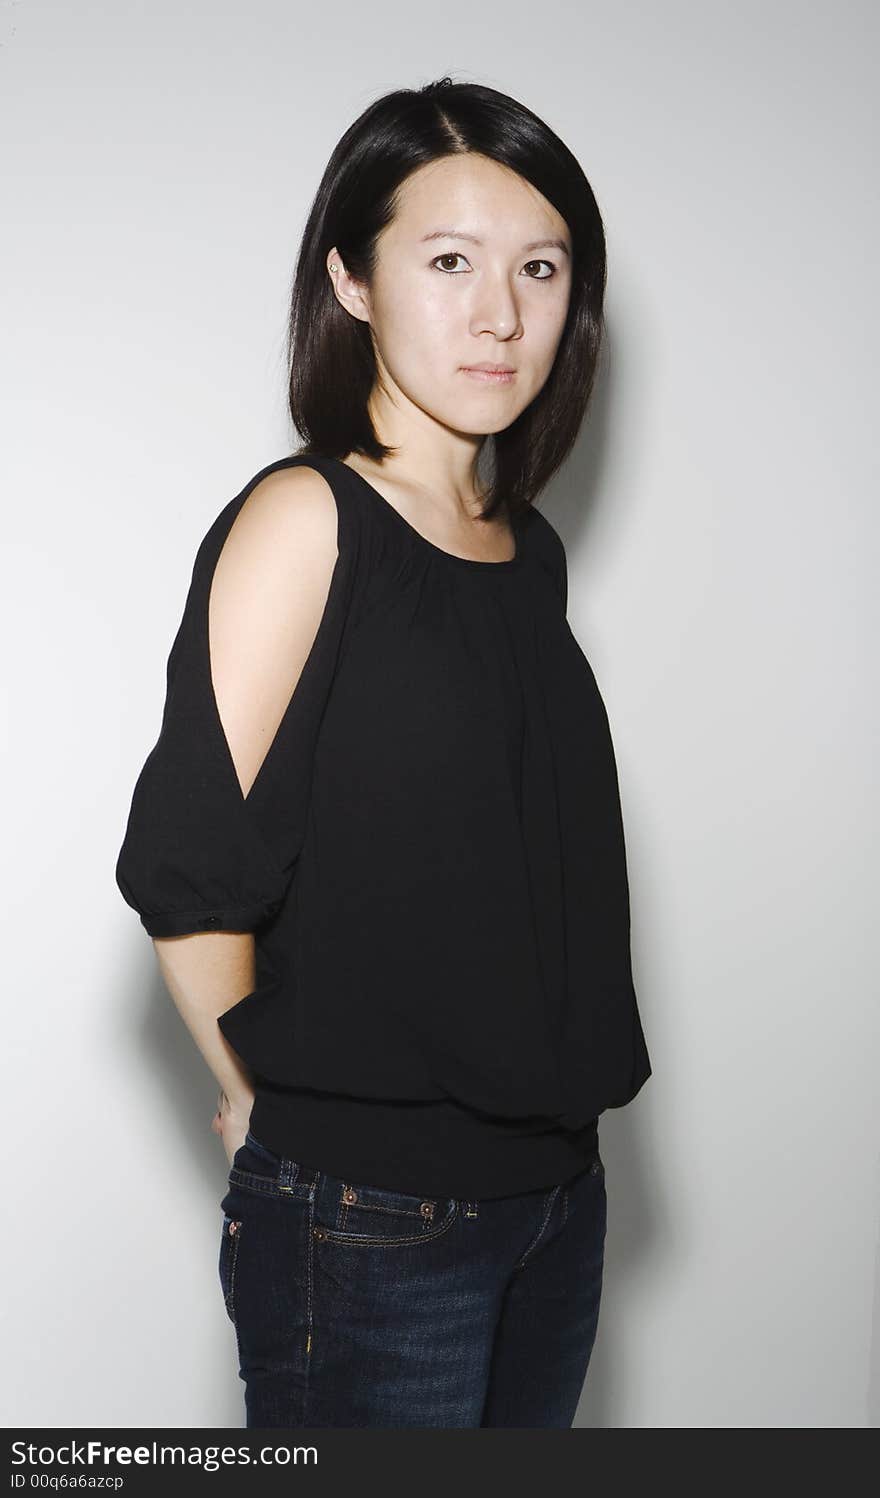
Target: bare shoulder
290,508
274,569
267,596
282,546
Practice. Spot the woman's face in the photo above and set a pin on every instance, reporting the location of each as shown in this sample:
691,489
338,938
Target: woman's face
474,268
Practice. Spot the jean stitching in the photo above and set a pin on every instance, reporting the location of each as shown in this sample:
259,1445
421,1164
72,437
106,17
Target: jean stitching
232,1241
309,1286
537,1238
265,1185
234,1266
385,1211
364,1240
367,1206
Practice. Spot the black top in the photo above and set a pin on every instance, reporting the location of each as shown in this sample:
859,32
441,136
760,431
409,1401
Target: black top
431,859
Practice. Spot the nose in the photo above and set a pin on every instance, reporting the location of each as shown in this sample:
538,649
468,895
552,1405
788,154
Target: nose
495,309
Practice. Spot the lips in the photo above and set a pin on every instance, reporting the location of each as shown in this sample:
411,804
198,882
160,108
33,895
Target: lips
488,375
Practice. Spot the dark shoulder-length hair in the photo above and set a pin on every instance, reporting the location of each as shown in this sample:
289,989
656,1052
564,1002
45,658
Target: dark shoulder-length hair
330,356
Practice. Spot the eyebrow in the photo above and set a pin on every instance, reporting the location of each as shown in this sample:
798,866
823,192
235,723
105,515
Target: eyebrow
535,244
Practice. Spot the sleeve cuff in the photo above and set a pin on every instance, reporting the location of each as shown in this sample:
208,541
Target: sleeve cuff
185,923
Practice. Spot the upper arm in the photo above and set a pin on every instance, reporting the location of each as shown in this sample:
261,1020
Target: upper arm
267,597
216,822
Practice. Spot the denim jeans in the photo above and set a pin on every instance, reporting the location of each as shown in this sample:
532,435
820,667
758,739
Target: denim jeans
356,1306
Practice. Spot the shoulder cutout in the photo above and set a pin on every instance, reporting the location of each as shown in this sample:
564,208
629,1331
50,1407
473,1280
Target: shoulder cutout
267,597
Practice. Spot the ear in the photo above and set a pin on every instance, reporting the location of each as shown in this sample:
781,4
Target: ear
352,294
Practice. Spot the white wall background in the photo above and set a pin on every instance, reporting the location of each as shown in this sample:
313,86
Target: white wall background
721,522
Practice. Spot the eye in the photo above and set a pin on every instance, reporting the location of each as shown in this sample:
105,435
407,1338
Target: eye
456,255
450,255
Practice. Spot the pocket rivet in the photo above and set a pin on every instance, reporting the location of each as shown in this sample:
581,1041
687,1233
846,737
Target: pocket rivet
318,1232
233,1228
349,1195
427,1209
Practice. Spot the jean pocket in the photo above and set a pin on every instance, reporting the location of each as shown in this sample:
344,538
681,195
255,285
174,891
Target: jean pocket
228,1261
364,1216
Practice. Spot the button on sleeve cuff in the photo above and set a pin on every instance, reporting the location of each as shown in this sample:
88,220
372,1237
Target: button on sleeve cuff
186,923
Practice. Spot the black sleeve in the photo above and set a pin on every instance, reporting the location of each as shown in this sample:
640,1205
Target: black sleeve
561,570
197,854
550,550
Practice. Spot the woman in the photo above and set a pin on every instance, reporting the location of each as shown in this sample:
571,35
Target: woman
378,842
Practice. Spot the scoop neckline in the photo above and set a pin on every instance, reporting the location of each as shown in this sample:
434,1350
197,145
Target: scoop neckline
506,565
